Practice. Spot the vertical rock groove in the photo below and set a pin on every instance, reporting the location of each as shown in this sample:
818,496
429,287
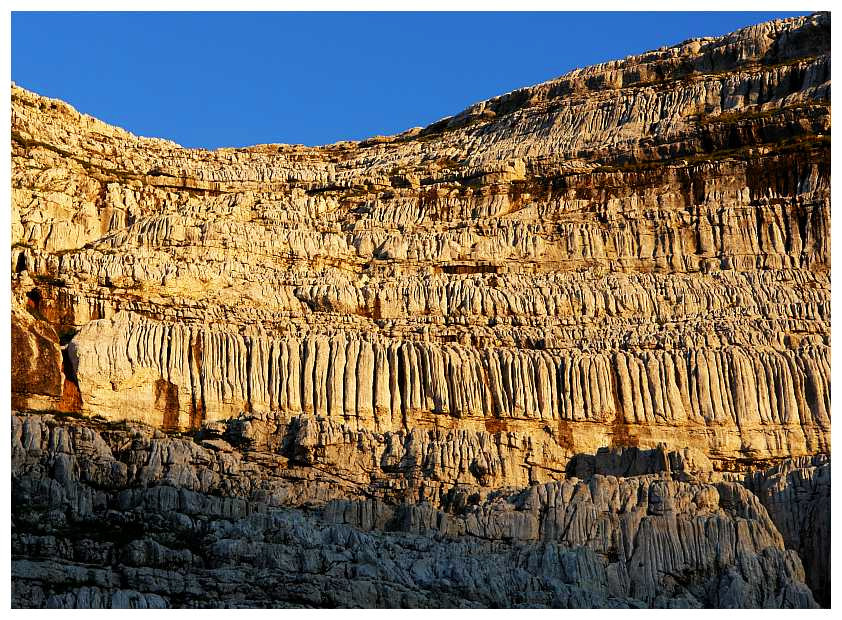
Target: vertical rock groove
583,326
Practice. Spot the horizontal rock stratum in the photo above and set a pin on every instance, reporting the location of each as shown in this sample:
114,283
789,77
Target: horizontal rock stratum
585,325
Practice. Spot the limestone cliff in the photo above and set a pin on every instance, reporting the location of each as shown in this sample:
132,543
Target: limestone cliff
126,516
593,296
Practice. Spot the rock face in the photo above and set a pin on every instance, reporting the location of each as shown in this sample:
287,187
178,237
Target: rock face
797,495
199,524
520,357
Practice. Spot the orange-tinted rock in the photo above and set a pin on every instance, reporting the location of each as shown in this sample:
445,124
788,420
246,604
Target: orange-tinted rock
620,275
36,363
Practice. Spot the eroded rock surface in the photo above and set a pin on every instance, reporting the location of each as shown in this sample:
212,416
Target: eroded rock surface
613,286
796,494
198,523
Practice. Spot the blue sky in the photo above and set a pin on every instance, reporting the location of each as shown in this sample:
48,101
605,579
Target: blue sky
236,79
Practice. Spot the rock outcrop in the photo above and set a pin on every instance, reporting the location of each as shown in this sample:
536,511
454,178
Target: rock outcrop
570,347
796,494
115,517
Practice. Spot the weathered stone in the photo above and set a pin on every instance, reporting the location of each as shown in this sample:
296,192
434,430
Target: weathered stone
36,364
797,495
188,525
540,353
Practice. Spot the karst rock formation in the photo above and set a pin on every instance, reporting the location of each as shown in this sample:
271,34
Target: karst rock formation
567,348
